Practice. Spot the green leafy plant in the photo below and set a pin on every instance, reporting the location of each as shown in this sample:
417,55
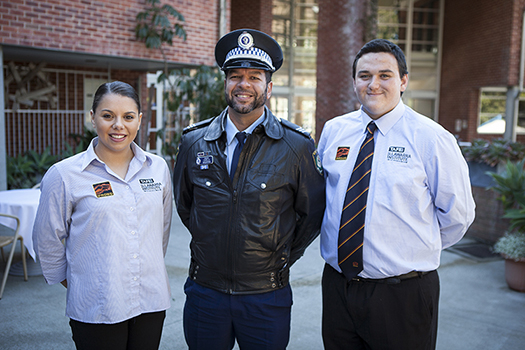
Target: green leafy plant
27,170
517,215
510,185
154,26
18,172
494,152
203,89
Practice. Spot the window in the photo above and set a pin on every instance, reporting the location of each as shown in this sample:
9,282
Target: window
294,26
492,111
414,25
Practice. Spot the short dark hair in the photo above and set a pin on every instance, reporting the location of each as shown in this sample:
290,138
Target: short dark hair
118,88
382,45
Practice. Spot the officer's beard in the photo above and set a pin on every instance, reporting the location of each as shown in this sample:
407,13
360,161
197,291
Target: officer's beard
258,102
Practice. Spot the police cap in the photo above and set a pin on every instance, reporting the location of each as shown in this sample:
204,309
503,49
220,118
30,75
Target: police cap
248,48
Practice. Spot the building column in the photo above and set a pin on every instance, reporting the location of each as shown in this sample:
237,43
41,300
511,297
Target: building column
344,27
511,113
3,144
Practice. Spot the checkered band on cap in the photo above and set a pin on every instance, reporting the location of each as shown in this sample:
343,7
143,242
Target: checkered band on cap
253,53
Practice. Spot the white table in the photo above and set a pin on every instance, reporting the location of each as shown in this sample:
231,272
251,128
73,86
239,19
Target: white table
23,204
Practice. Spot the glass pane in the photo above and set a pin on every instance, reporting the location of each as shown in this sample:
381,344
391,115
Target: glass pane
304,114
281,32
279,106
423,71
492,112
424,106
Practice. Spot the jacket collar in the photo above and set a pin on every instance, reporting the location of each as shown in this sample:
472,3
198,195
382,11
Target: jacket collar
271,126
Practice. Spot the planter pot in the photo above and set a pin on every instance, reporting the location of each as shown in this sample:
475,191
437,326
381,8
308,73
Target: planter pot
515,274
478,176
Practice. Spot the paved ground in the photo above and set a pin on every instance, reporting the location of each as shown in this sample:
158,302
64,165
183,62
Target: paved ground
477,309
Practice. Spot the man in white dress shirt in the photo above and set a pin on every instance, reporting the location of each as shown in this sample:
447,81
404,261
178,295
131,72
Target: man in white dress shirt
419,202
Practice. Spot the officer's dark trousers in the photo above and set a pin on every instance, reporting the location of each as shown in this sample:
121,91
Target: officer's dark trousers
214,320
371,315
139,333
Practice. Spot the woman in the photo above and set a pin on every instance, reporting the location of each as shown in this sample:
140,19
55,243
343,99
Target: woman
111,205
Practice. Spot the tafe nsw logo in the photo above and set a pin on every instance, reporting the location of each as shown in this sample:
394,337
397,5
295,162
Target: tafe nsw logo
149,185
397,154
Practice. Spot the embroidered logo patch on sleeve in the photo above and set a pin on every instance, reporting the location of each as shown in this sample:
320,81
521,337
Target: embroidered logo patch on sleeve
342,153
317,162
103,189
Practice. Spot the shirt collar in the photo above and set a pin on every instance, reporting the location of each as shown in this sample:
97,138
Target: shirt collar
231,129
386,121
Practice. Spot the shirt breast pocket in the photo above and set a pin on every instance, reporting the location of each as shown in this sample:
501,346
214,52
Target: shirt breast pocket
208,188
404,180
207,178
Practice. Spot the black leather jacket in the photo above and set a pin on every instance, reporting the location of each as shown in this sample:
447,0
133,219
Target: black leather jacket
247,234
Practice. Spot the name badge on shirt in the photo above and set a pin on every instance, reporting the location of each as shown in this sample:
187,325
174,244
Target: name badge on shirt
103,189
342,153
204,159
397,154
149,185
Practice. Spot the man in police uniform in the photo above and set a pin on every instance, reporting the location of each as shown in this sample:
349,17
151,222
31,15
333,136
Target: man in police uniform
249,188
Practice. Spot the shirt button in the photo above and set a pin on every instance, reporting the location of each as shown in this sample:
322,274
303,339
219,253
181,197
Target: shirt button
131,208
263,185
134,256
208,183
134,278
127,187
132,232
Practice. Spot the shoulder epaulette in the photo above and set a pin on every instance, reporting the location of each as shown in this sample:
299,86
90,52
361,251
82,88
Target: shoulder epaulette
196,126
294,127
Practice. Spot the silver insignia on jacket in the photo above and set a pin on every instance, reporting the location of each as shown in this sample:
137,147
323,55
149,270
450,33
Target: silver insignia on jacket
204,159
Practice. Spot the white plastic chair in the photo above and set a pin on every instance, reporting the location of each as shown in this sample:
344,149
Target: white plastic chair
6,240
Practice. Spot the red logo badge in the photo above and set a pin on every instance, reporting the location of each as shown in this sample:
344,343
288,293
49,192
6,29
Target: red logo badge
103,189
342,153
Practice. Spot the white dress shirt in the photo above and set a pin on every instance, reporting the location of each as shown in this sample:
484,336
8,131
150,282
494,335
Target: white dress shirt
420,198
115,234
231,140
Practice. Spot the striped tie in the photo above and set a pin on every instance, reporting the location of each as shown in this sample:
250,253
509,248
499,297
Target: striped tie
350,244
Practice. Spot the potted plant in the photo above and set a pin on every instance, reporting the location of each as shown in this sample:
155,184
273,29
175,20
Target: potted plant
510,186
512,247
490,156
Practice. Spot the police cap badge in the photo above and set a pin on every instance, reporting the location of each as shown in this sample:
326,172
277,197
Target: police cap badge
248,48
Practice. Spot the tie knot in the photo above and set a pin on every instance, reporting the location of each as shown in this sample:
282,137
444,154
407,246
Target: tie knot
240,136
370,128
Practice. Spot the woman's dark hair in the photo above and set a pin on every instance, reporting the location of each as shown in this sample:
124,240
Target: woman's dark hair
382,45
118,88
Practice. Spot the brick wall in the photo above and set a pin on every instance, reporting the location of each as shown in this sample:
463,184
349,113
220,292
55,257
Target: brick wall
107,27
489,224
254,14
481,47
